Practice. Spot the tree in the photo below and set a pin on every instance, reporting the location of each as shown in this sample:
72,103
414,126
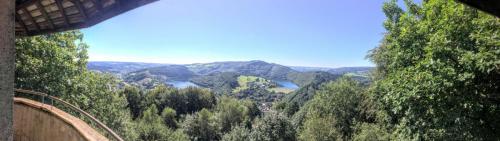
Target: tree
150,125
151,128
371,132
163,97
291,108
169,117
273,127
202,126
231,112
56,64
320,129
437,71
97,94
50,63
237,133
183,101
253,110
198,98
136,100
338,105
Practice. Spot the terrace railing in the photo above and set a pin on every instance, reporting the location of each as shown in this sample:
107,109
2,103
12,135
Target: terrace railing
47,99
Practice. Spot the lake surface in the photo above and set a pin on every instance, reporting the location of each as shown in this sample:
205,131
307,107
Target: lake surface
288,85
182,84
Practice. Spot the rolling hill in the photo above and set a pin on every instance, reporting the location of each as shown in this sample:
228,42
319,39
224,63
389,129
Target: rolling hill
252,68
119,68
220,75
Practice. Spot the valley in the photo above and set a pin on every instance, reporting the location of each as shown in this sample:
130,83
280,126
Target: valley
199,75
259,81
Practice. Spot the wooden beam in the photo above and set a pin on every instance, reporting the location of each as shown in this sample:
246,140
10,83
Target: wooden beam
47,31
31,18
26,4
97,4
63,13
118,2
44,13
7,63
21,22
81,9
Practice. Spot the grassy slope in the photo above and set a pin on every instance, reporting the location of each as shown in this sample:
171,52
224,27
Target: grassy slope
245,81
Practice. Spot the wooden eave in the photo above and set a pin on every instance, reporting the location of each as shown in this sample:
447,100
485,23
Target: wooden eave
489,6
36,17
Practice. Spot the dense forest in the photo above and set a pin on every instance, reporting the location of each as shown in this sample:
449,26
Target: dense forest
436,78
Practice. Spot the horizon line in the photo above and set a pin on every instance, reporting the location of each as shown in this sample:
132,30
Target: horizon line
222,62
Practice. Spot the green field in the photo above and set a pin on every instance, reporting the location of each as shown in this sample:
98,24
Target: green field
253,82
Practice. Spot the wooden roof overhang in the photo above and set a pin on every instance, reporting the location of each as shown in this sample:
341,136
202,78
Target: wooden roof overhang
35,17
489,6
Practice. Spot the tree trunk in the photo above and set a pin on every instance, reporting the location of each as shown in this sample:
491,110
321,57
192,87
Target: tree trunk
7,67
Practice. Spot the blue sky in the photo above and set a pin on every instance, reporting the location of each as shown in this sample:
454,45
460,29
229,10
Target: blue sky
321,33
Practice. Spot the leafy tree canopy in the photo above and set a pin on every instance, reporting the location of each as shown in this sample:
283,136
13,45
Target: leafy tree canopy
438,68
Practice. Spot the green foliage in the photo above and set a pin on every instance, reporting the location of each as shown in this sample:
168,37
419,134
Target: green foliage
151,77
232,112
238,133
253,110
202,126
96,94
437,71
304,93
150,127
56,64
50,63
291,108
136,100
169,117
273,127
252,68
320,129
178,135
337,103
299,117
183,101
371,132
220,83
197,99
163,97
436,79
144,80
253,82
305,78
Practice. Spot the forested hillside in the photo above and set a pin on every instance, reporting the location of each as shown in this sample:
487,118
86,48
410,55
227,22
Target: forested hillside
119,68
436,78
253,68
223,78
342,70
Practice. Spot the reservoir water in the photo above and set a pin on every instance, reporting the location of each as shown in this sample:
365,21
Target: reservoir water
182,84
288,85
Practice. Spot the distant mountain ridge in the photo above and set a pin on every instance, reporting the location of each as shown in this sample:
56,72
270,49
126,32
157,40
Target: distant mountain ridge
341,70
218,74
207,68
119,68
167,72
254,68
